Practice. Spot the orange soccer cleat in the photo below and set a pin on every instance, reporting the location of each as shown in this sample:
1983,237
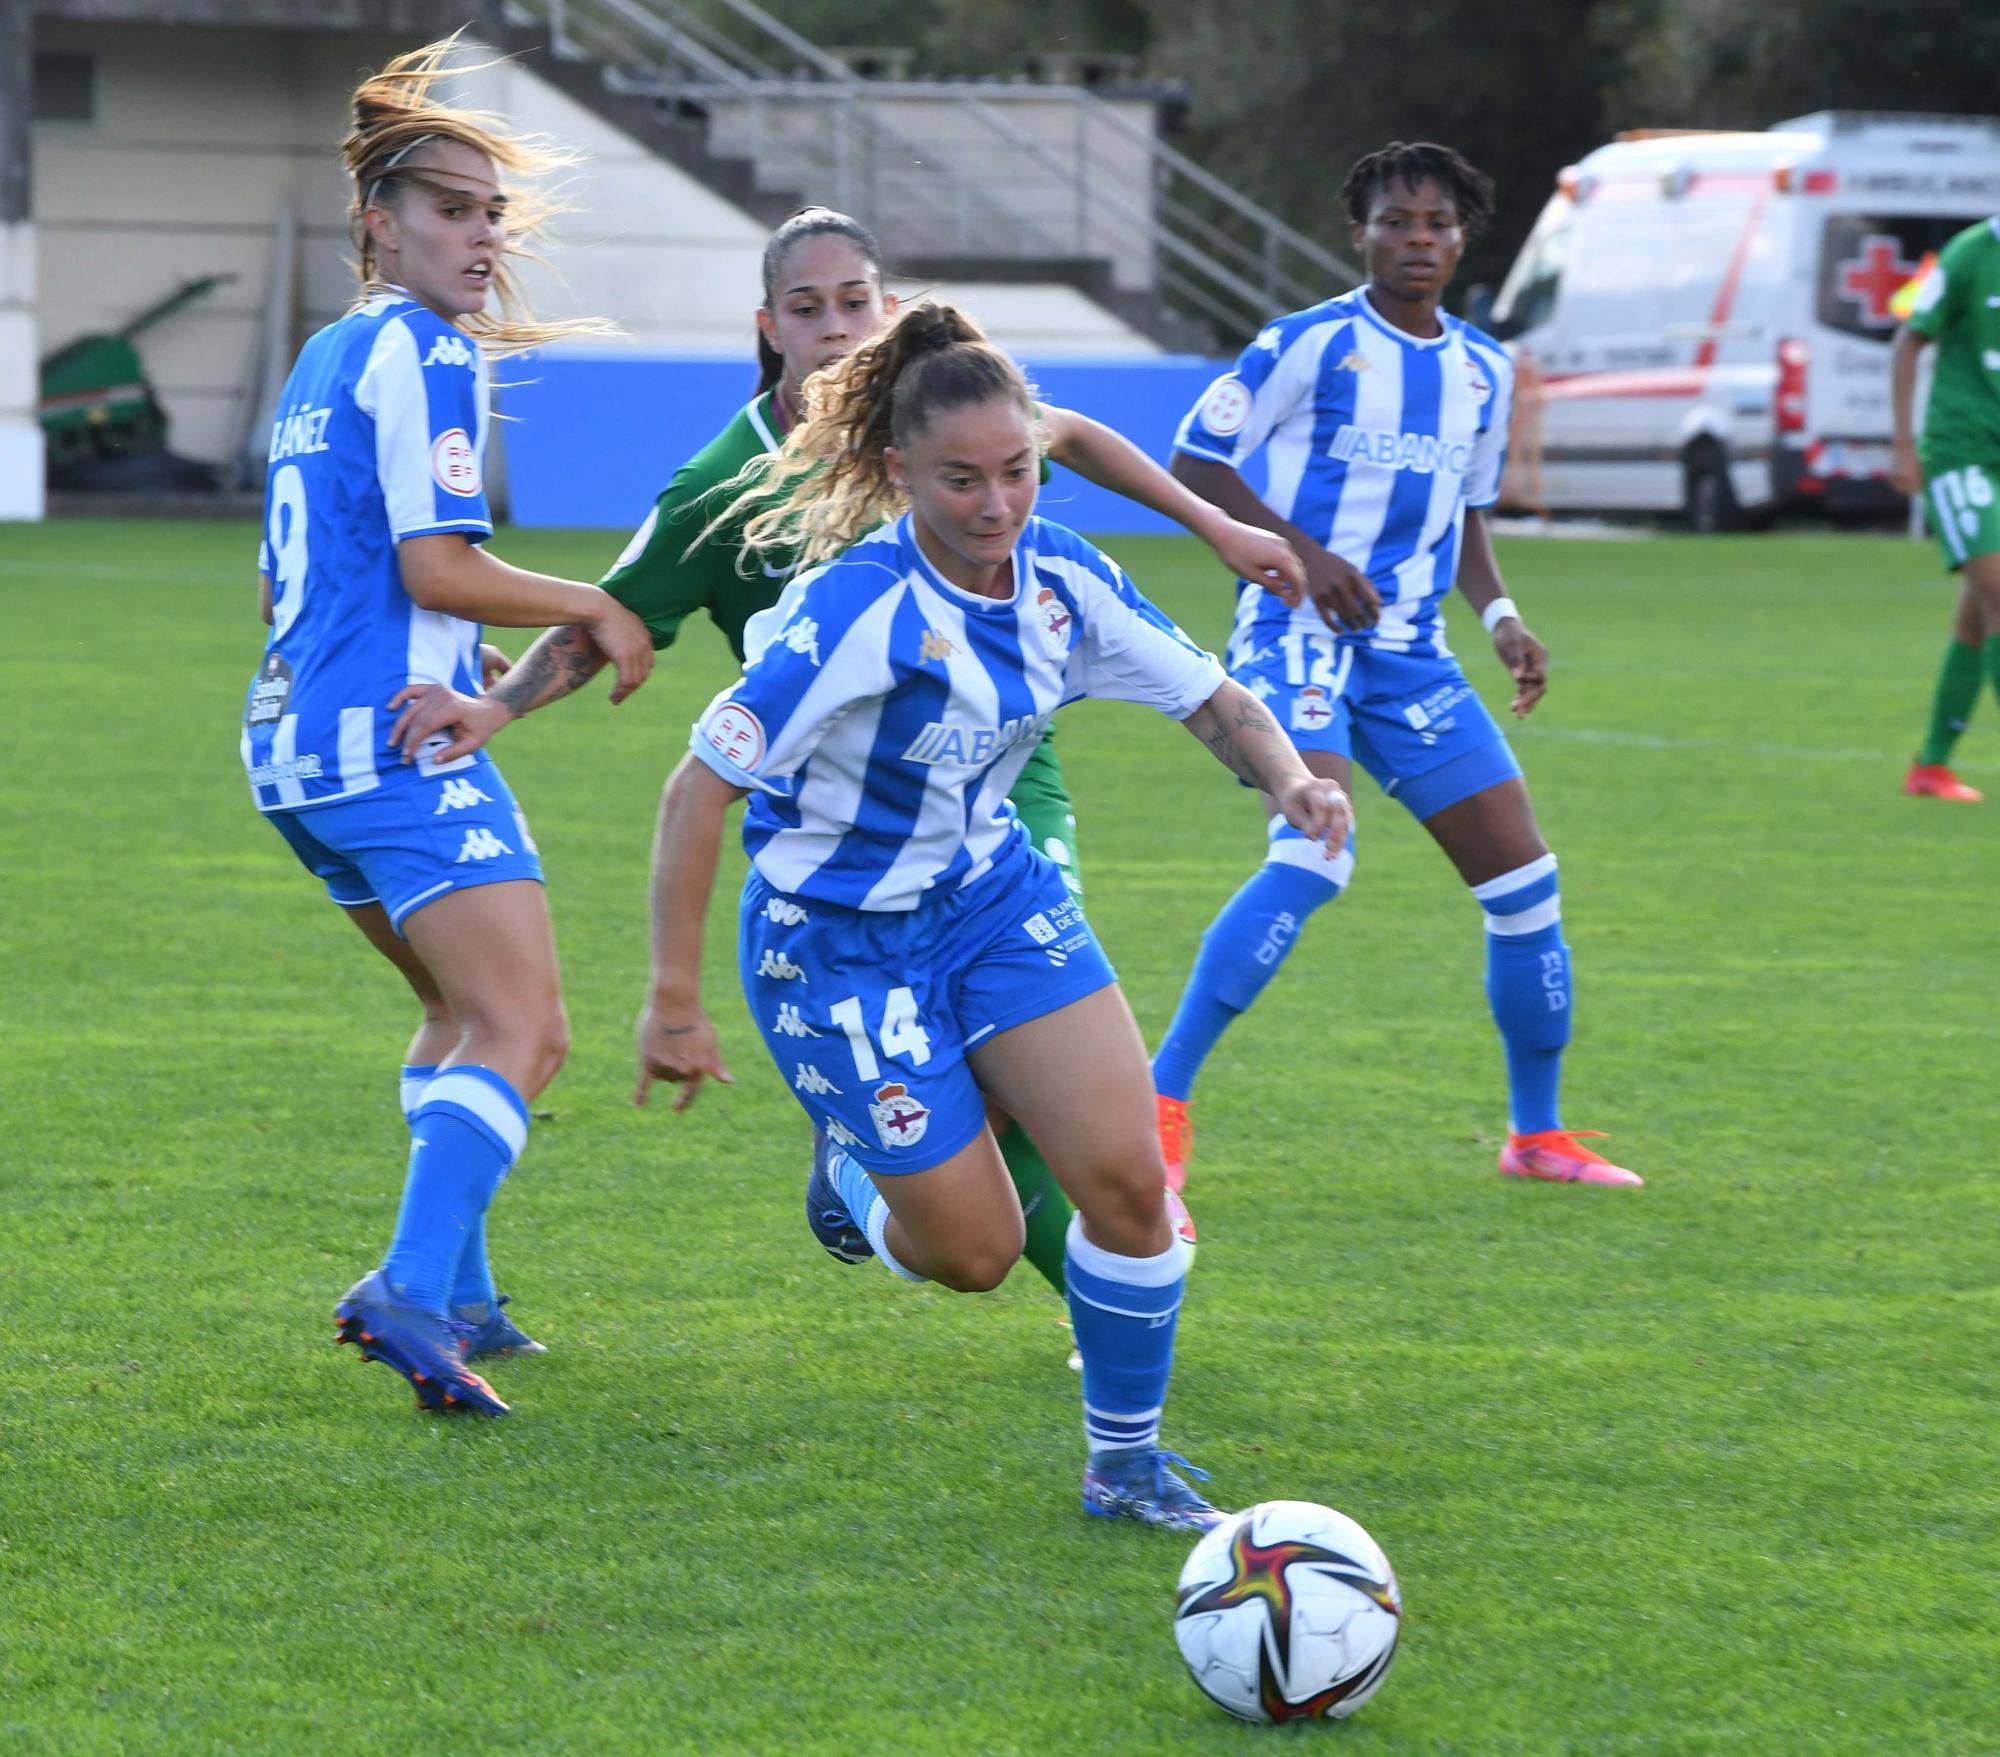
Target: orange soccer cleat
1176,1139
1554,1156
1935,781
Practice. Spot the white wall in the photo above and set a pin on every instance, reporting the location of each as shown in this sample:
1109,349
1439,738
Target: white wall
203,135
21,448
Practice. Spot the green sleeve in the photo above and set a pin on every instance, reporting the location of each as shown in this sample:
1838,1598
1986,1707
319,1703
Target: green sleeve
1944,289
657,578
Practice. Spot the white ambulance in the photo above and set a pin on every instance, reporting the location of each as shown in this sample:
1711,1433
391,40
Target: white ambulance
1702,320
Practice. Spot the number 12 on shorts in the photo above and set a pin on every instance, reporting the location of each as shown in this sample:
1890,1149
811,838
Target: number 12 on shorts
901,1034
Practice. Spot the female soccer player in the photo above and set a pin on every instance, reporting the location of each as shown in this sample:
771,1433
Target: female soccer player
374,583
1958,307
823,296
906,951
1386,422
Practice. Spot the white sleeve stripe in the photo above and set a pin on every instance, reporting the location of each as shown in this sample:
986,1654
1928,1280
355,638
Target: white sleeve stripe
391,388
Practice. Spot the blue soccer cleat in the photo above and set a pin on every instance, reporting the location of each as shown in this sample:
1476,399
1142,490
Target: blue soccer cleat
494,1333
1133,1482
827,1214
418,1344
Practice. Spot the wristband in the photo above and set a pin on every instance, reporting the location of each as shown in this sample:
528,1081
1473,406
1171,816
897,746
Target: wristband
1497,612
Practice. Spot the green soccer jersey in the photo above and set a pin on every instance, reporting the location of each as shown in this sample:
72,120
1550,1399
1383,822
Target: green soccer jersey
662,581
1958,307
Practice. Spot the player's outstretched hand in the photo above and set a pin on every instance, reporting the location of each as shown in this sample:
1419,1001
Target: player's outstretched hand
1345,597
433,709
1319,808
1262,557
1527,662
493,664
623,639
677,1044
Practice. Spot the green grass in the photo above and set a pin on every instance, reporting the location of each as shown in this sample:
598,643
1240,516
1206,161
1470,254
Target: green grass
1708,1468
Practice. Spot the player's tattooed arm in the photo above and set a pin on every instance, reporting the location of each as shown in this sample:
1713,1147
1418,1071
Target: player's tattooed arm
561,661
1247,741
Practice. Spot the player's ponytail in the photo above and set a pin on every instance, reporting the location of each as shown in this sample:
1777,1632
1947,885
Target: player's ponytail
830,484
395,119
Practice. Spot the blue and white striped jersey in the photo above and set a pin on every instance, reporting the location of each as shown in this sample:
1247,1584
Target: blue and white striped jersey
884,713
380,435
1376,442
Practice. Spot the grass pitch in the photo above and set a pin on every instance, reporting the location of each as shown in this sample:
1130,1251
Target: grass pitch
1708,1468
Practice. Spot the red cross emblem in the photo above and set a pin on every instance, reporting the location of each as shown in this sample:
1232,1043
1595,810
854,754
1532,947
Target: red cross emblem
1876,277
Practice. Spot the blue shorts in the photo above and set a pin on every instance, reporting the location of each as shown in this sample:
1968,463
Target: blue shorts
407,845
1415,724
869,1014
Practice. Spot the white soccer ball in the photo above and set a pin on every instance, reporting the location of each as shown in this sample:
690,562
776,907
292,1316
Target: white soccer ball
1288,1611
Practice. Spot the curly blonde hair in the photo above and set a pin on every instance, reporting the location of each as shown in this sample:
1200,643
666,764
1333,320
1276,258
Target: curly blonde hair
829,483
395,117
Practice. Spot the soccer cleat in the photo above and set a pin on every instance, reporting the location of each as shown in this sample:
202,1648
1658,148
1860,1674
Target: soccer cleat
1176,1139
1133,1482
1179,1217
1555,1156
1935,781
493,1334
827,1214
418,1344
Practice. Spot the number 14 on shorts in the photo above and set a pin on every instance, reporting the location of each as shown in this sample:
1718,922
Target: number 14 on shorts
900,1034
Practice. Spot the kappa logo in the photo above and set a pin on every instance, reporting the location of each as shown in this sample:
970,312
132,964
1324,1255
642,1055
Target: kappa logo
458,795
789,1024
448,351
810,1079
1053,619
1262,687
481,844
839,1133
1353,361
779,967
934,646
785,913
899,1119
1311,709
803,638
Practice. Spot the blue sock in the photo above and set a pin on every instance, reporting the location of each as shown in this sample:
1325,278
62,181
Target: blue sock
867,1209
1123,1311
473,1284
1528,986
465,1136
1243,948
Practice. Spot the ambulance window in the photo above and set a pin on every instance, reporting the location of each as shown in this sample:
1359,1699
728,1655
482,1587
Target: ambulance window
1865,260
1528,299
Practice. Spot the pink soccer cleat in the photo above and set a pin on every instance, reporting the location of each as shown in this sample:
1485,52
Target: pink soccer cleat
1935,781
1176,1139
1554,1156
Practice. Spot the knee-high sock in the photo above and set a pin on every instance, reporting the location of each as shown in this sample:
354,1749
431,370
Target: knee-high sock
1044,1207
472,1285
1243,948
1528,986
469,1128
1124,1311
1956,693
870,1213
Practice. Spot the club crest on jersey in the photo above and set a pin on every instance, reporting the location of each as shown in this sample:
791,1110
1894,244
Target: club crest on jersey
934,646
899,1119
738,734
1312,708
1226,408
453,467
1054,621
1477,382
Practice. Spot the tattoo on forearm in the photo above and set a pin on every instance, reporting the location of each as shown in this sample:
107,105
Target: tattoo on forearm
1244,742
563,660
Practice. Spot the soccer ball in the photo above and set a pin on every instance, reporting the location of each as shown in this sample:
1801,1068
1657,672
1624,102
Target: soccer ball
1288,1611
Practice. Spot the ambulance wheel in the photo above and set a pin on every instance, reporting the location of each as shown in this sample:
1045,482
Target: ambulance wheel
1710,499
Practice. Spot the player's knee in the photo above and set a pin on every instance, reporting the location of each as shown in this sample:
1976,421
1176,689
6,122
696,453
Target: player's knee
1125,1206
978,1265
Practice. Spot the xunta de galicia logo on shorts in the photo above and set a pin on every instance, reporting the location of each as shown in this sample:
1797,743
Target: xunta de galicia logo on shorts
899,1119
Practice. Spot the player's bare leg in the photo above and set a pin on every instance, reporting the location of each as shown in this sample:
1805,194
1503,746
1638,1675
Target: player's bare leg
1971,657
1494,841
